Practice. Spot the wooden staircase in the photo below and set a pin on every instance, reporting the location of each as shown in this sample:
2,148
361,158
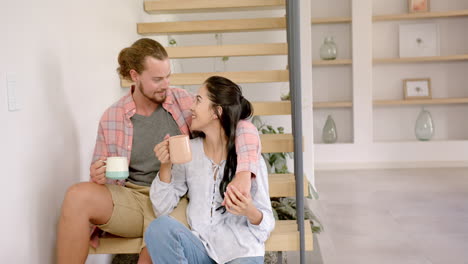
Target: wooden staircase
285,237
171,6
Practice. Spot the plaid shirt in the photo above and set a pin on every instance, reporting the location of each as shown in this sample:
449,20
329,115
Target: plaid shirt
115,132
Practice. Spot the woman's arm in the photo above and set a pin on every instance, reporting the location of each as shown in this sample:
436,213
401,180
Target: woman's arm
166,195
170,184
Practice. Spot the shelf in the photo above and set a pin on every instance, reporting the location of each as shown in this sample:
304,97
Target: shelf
331,20
406,16
208,5
227,50
411,16
318,105
422,59
212,26
331,62
238,77
447,58
434,101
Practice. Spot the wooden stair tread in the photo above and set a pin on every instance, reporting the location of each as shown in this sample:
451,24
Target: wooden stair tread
272,143
284,185
238,77
261,49
208,5
272,108
211,26
284,237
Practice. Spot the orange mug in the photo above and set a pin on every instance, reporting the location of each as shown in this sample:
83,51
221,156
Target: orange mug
179,149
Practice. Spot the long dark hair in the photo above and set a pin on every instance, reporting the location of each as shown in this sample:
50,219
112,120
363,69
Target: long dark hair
226,94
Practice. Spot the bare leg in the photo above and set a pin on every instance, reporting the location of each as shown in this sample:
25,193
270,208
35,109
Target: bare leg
84,203
145,258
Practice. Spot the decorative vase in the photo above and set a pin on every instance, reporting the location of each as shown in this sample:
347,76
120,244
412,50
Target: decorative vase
328,50
424,128
329,134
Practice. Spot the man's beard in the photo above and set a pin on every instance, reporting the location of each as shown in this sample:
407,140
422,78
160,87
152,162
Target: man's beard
152,99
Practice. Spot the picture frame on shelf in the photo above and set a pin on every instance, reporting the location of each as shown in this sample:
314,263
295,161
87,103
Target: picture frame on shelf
419,40
414,89
416,6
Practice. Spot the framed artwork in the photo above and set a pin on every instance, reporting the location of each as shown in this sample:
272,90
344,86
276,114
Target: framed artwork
418,6
419,40
417,89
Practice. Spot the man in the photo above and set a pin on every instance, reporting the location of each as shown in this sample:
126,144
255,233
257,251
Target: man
131,128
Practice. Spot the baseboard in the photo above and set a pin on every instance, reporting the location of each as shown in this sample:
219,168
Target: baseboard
390,165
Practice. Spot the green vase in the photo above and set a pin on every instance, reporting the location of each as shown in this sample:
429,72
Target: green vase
424,128
328,50
329,133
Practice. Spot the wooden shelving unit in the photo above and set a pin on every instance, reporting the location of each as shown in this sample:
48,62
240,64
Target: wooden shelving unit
411,16
422,59
434,101
447,58
321,105
332,62
393,17
331,20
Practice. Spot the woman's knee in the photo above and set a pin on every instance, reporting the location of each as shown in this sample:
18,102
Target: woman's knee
160,227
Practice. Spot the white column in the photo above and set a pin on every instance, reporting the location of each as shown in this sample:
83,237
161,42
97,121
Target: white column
306,80
362,72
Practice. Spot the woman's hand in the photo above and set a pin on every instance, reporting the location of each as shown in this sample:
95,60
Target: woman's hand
162,151
239,204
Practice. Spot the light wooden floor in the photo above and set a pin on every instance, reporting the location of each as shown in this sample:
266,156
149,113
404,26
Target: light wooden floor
408,216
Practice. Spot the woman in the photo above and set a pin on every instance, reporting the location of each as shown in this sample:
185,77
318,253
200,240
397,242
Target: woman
230,232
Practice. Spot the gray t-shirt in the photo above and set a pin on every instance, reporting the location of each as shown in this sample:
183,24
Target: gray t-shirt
148,131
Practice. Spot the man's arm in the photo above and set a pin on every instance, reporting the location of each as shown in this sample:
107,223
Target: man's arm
100,149
97,169
247,149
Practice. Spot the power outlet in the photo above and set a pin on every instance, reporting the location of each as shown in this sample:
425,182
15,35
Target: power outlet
12,89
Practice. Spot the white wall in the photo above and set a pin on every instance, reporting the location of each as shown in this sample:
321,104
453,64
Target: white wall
64,55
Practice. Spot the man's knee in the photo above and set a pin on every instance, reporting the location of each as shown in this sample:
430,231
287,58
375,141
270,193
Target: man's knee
82,195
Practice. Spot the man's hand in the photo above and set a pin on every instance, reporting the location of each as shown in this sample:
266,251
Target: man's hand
242,181
239,204
97,171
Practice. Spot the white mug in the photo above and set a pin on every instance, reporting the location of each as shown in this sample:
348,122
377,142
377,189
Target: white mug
116,168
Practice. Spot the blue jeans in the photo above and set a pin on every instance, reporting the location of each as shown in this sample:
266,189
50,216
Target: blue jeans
169,241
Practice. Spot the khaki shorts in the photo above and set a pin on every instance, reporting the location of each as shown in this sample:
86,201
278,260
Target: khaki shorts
133,211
